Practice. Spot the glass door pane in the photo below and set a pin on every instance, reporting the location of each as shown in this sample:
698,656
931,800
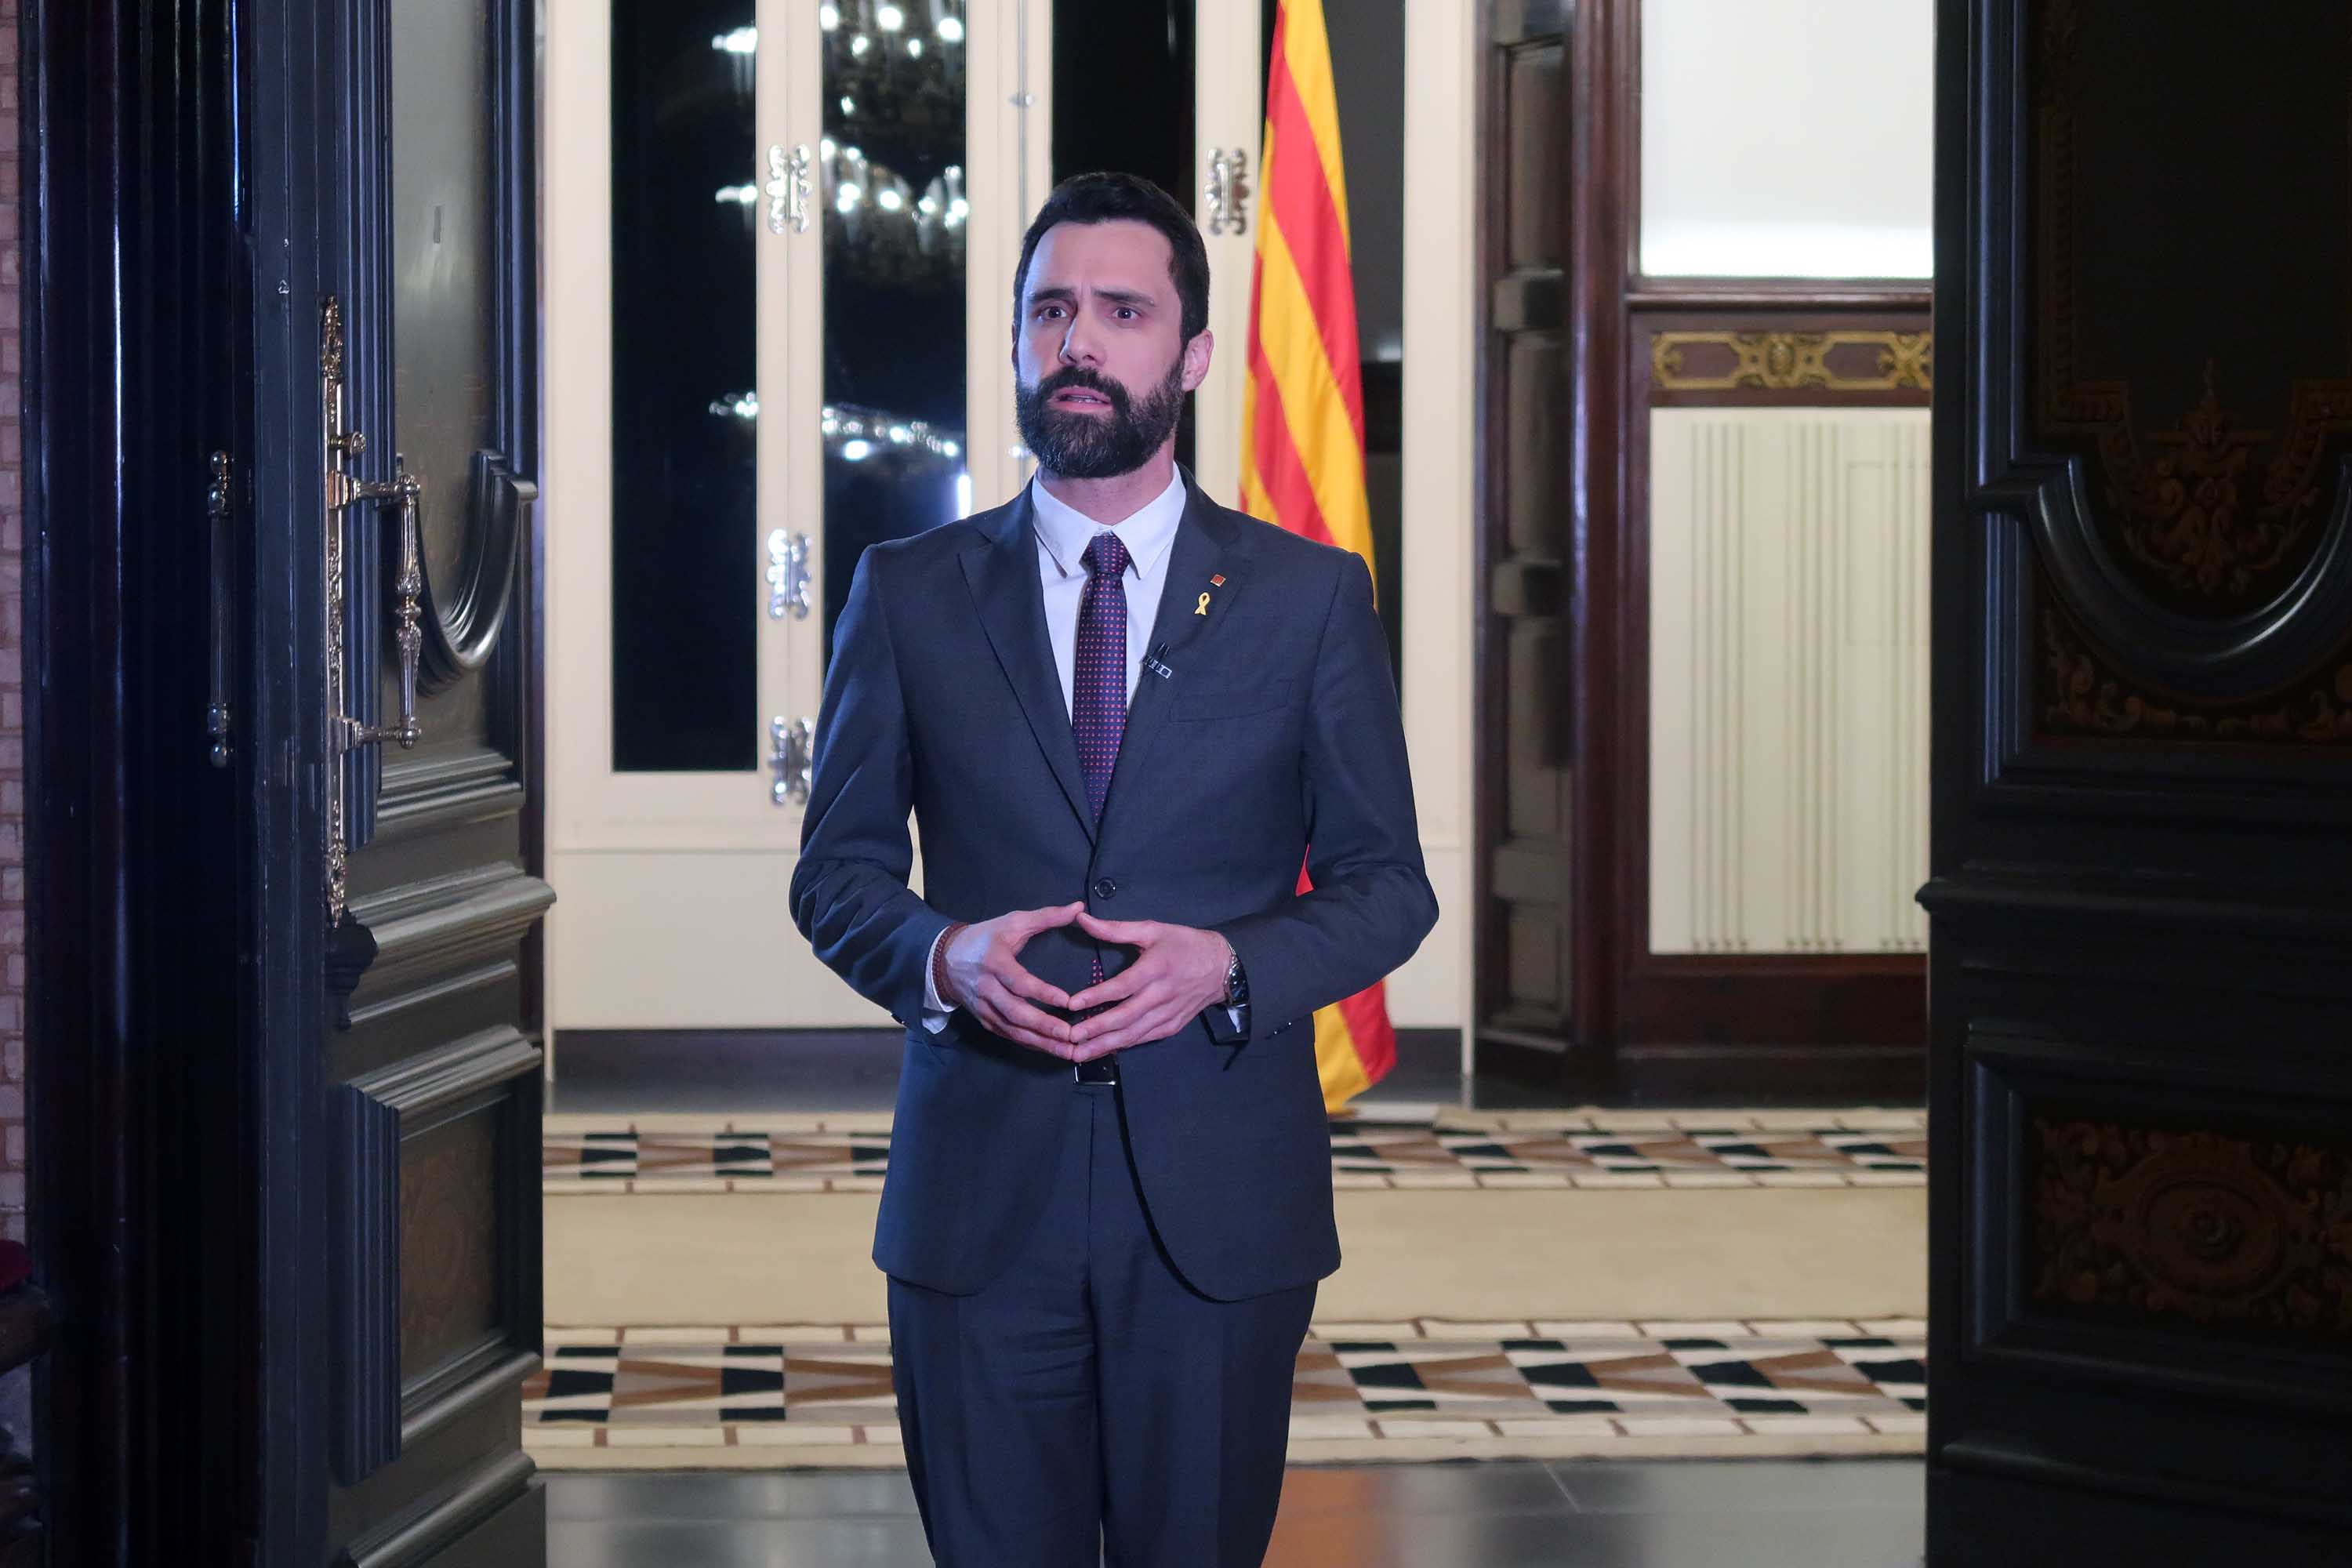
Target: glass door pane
894,207
685,391
1135,118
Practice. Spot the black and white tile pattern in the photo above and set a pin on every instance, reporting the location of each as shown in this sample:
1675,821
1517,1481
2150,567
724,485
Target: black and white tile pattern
1419,1389
1396,1148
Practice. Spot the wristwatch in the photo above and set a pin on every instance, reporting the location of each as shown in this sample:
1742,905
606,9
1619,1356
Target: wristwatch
1236,983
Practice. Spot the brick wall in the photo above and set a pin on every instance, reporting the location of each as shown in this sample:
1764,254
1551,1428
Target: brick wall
12,645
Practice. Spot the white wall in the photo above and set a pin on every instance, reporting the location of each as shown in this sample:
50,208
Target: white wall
1788,138
1440,523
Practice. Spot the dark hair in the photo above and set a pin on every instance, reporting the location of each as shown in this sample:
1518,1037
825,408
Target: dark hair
1102,198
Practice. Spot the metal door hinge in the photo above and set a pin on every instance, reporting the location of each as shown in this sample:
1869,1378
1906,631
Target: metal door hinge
794,757
1228,190
788,189
788,576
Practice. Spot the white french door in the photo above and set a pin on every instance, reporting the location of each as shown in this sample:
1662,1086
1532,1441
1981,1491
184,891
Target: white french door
1229,113
778,238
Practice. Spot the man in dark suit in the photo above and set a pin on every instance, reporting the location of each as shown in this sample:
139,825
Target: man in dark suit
1122,716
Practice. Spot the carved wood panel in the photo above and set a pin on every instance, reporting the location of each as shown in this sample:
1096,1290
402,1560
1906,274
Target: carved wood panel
2080,690
2193,360
2245,1232
1730,360
449,1241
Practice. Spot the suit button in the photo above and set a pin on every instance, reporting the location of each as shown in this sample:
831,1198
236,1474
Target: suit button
1105,887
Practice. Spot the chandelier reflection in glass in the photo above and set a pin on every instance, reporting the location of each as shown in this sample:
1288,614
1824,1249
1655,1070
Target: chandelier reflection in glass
898,67
852,433
881,224
904,448
884,226
858,433
894,74
892,207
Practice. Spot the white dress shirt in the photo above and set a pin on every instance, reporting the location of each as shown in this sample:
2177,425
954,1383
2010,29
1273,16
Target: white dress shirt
1063,534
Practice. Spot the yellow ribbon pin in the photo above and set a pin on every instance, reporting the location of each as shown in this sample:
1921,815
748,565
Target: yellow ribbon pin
1203,607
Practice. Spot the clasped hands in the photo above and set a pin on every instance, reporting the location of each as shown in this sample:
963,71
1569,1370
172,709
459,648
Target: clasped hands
1179,970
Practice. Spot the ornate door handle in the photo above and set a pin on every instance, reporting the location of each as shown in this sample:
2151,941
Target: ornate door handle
792,757
219,501
403,490
1228,191
346,735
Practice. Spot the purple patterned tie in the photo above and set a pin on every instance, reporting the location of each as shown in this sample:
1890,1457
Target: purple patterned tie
1099,676
1098,684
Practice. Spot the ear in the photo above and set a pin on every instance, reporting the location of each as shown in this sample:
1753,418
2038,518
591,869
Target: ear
1196,360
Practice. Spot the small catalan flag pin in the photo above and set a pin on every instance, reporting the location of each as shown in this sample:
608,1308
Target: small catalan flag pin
1218,580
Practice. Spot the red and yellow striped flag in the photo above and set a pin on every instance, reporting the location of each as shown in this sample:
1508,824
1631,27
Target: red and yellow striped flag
1303,409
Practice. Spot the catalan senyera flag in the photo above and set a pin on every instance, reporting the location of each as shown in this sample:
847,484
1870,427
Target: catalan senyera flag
1303,409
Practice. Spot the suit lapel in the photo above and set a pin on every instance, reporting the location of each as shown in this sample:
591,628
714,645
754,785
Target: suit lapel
1208,544
1002,575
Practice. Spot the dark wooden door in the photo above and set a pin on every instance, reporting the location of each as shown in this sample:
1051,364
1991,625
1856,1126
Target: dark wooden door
2141,1101
293,1224
1527,953
407,414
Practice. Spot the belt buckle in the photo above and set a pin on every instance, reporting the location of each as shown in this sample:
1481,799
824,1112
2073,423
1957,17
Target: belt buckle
1102,1069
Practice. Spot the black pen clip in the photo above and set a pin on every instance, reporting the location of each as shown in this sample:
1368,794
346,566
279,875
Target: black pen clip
1153,663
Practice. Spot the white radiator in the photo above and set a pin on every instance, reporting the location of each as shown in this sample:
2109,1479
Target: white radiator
1788,680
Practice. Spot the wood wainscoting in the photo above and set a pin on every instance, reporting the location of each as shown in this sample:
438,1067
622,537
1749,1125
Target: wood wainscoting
1584,361
1828,394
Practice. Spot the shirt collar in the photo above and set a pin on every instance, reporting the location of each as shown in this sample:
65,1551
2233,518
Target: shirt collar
1064,532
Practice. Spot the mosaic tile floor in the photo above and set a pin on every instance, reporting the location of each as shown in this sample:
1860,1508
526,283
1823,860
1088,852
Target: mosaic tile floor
1562,1149
820,1394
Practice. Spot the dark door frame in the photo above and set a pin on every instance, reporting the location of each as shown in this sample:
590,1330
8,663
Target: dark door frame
173,918
140,957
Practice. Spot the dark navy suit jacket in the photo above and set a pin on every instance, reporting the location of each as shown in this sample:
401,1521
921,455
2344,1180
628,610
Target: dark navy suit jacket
1273,740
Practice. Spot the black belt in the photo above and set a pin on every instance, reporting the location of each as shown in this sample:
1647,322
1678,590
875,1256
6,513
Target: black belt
1102,1069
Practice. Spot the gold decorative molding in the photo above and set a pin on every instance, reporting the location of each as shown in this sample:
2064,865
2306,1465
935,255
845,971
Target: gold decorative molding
2242,1232
2088,697
1793,362
2183,513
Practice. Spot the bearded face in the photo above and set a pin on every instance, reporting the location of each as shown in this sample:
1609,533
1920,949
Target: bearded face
1100,360
1083,425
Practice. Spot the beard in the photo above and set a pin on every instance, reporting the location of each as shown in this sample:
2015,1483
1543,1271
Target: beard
1093,446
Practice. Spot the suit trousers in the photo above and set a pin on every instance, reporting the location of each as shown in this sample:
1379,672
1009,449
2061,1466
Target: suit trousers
1087,1405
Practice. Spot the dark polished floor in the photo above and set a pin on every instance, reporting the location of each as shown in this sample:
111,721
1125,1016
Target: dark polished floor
1691,1514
